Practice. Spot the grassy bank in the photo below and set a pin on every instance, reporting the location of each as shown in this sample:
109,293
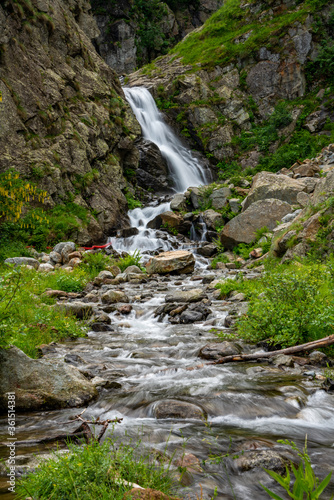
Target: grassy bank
95,471
289,305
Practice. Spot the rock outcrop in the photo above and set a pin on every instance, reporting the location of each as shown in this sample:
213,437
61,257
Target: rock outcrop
40,383
64,121
242,229
153,28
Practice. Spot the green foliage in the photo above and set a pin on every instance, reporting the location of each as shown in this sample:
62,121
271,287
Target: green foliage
219,258
15,195
265,134
296,306
215,43
170,229
26,326
132,202
95,471
305,486
96,262
129,260
68,282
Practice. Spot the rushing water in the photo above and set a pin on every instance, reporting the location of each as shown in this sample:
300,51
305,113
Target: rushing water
151,361
184,169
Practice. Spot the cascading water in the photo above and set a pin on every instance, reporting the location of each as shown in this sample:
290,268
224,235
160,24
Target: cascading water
185,170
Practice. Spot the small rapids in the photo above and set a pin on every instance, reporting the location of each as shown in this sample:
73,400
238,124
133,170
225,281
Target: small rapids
247,406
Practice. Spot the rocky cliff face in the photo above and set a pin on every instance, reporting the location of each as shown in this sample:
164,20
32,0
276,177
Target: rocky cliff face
134,32
64,121
255,75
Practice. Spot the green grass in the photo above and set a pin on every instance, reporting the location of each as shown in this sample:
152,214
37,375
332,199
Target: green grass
215,43
129,260
288,305
28,318
94,472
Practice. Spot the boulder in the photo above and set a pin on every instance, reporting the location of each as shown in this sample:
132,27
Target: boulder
241,229
219,197
114,296
303,199
208,250
188,317
174,262
193,295
81,310
268,459
55,257
178,202
280,187
59,247
74,262
306,170
172,408
22,261
152,171
235,205
212,219
324,189
40,383
66,250
218,350
102,276
133,270
46,267
171,220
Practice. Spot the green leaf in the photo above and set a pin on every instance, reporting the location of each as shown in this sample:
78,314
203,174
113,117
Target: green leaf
283,481
315,495
271,493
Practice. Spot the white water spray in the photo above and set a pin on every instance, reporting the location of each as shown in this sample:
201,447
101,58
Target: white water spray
184,169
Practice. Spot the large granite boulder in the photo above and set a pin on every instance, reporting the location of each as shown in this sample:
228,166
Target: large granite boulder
174,262
324,189
219,197
267,185
41,383
242,228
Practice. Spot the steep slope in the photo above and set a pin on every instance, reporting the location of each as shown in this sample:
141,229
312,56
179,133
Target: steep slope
254,86
133,32
64,121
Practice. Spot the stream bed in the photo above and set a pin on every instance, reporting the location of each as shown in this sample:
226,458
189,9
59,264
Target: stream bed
151,364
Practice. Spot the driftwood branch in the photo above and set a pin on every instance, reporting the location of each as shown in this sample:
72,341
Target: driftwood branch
326,341
82,432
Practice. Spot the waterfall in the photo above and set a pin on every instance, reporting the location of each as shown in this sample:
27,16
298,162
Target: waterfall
184,169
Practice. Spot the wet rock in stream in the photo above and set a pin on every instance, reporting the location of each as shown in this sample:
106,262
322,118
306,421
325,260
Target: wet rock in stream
177,409
40,383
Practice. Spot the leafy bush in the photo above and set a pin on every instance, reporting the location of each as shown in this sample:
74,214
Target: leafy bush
297,306
130,260
95,471
69,282
96,262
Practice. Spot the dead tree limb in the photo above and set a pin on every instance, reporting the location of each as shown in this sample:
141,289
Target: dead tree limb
326,341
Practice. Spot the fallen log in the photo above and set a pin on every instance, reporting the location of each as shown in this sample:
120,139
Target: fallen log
324,342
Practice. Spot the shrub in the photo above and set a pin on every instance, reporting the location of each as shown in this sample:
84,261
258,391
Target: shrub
297,306
130,260
96,262
69,282
95,471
